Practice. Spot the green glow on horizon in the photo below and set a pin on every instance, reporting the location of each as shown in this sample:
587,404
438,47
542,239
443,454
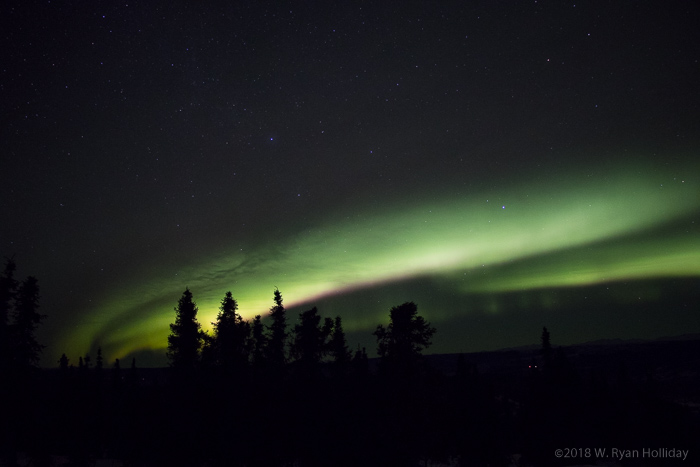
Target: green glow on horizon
677,258
569,231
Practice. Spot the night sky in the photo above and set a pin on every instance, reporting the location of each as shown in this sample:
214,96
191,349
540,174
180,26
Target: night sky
504,164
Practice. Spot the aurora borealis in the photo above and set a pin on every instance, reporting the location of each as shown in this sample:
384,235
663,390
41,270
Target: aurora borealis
576,236
496,164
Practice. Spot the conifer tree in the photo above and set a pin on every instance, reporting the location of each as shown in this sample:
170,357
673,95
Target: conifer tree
8,289
259,342
185,339
231,335
338,346
63,363
208,355
400,344
360,363
26,348
327,330
276,354
309,345
63,369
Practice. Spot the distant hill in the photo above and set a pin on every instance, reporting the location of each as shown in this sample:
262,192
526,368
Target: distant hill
672,363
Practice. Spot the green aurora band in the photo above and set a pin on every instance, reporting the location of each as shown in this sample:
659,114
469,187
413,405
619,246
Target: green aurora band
572,230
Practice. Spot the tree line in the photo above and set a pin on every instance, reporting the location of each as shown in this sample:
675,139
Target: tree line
19,318
236,343
255,393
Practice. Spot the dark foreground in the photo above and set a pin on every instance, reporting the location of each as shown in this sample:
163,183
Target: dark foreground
612,403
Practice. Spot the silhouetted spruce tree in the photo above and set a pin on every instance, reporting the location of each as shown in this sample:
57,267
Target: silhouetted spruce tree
327,330
360,363
185,339
8,290
184,350
26,348
208,354
63,363
259,347
400,344
404,403
14,355
231,335
63,376
8,286
25,409
276,345
338,346
309,344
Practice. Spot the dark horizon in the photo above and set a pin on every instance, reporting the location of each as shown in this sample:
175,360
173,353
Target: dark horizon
142,357
616,401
